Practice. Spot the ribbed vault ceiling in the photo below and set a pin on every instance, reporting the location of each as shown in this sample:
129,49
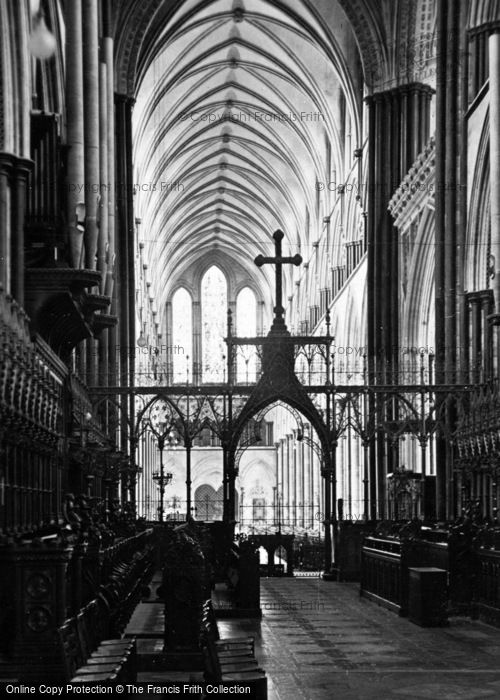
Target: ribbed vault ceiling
237,116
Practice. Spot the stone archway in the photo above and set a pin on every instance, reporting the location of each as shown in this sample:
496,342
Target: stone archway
205,503
208,503
279,550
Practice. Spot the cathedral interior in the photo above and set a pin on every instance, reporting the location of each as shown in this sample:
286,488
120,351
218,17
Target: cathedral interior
250,347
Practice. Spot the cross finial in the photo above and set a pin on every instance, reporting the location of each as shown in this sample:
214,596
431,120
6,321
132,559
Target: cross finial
278,260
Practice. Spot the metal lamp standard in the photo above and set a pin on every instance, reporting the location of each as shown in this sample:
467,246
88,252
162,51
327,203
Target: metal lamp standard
162,478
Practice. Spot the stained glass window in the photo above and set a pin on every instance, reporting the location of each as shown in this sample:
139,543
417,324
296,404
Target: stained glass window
182,334
246,326
214,322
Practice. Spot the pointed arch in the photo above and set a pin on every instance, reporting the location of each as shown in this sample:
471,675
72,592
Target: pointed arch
297,400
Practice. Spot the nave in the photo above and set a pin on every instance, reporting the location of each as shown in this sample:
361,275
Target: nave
249,327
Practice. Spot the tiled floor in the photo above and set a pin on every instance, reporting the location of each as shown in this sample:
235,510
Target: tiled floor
320,640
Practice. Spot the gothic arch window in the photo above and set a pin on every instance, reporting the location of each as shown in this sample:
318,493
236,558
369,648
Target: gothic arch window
213,323
246,326
182,334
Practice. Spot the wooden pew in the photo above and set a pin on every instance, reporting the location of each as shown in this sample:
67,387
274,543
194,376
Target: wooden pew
89,658
79,669
384,571
227,669
487,587
224,645
91,627
123,588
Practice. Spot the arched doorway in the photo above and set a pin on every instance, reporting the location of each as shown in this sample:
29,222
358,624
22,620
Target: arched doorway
207,507
281,559
208,503
283,490
263,556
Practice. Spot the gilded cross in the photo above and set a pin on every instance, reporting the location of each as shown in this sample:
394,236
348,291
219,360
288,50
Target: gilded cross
278,260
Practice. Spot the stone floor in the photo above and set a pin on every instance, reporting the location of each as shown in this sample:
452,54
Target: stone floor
320,640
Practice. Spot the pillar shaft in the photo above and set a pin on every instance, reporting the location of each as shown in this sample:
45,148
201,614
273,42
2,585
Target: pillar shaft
197,359
19,203
107,58
6,178
102,214
494,60
110,142
125,250
397,135
91,128
74,135
169,341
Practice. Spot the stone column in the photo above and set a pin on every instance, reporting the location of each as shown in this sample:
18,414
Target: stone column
295,480
107,57
6,170
306,467
449,222
284,481
91,128
197,353
494,324
277,477
102,214
313,484
125,249
14,174
281,492
475,314
75,176
19,202
486,341
395,137
169,353
494,60
288,481
303,487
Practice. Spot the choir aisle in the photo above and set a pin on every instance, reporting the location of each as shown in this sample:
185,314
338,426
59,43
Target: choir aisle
319,640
